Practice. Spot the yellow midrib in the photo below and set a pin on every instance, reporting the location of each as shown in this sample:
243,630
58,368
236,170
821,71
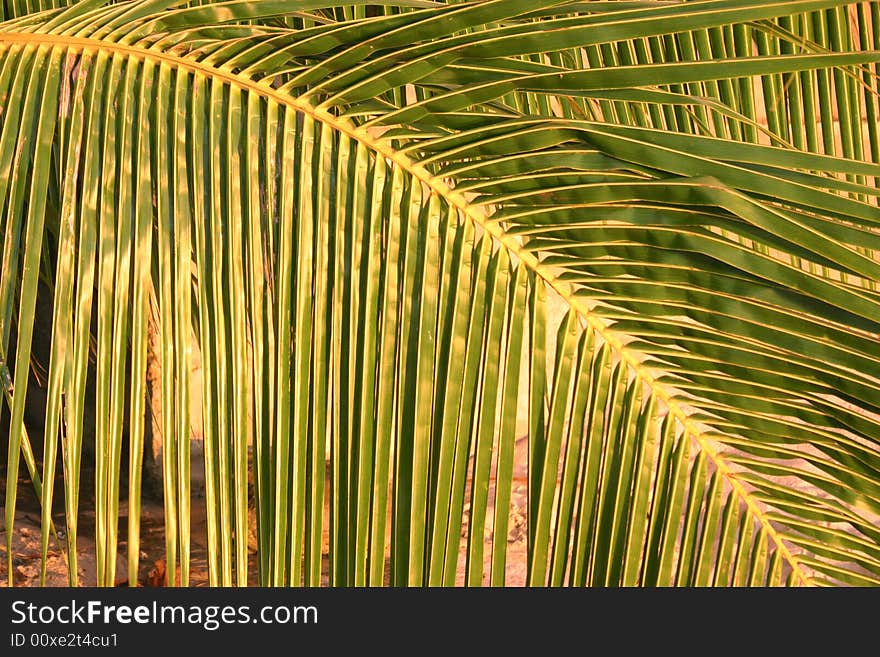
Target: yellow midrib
457,200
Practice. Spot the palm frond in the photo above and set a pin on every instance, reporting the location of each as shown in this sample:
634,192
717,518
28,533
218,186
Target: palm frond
411,237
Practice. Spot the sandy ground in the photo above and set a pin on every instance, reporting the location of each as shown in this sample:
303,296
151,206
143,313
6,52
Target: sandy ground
26,539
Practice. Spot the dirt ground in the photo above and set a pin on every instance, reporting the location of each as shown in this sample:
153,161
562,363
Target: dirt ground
26,539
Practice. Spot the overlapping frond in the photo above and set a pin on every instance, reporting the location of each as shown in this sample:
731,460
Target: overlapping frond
418,233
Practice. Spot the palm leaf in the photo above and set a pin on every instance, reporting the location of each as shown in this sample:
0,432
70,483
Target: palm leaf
410,237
